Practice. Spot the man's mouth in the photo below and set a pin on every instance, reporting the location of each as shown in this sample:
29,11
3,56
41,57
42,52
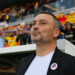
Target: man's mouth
35,34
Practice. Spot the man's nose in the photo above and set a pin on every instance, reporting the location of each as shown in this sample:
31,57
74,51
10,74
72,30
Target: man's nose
37,24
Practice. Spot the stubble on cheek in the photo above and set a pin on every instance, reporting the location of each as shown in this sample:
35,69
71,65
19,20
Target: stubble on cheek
36,37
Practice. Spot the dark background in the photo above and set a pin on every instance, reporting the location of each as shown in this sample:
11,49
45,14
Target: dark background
8,3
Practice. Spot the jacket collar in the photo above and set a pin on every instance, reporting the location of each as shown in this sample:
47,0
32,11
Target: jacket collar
56,59
28,62
55,64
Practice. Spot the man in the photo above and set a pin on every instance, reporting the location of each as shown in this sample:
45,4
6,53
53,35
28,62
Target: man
11,38
22,36
48,59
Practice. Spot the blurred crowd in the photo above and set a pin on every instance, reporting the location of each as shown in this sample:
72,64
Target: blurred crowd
68,31
11,14
15,37
21,35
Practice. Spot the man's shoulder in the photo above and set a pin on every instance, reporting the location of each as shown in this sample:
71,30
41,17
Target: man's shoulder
24,63
67,63
66,54
68,58
28,57
26,60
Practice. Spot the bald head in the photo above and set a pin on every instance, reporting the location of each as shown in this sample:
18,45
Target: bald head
57,23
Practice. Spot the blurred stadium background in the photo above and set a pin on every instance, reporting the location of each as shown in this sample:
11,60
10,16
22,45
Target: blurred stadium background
16,18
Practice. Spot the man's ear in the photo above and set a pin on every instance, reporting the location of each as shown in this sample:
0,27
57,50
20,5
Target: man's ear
57,32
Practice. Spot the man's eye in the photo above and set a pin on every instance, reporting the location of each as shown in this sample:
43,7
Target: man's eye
42,23
33,24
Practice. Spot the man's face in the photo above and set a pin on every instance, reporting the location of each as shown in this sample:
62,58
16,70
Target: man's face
43,28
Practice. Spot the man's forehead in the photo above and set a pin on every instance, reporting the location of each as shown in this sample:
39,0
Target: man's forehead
43,16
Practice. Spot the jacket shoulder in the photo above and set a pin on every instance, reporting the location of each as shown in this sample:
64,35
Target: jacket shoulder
68,64
24,63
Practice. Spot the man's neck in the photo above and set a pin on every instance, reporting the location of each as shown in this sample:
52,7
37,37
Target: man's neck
44,49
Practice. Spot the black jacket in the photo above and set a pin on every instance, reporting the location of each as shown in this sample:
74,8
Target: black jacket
65,62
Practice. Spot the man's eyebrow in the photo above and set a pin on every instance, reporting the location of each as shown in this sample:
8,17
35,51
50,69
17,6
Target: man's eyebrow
42,20
39,20
33,21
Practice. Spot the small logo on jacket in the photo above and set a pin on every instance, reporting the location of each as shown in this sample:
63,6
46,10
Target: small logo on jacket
53,66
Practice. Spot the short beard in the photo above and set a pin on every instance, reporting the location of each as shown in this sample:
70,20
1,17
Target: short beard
41,40
38,40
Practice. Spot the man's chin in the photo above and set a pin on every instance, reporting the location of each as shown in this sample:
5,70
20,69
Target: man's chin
36,40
